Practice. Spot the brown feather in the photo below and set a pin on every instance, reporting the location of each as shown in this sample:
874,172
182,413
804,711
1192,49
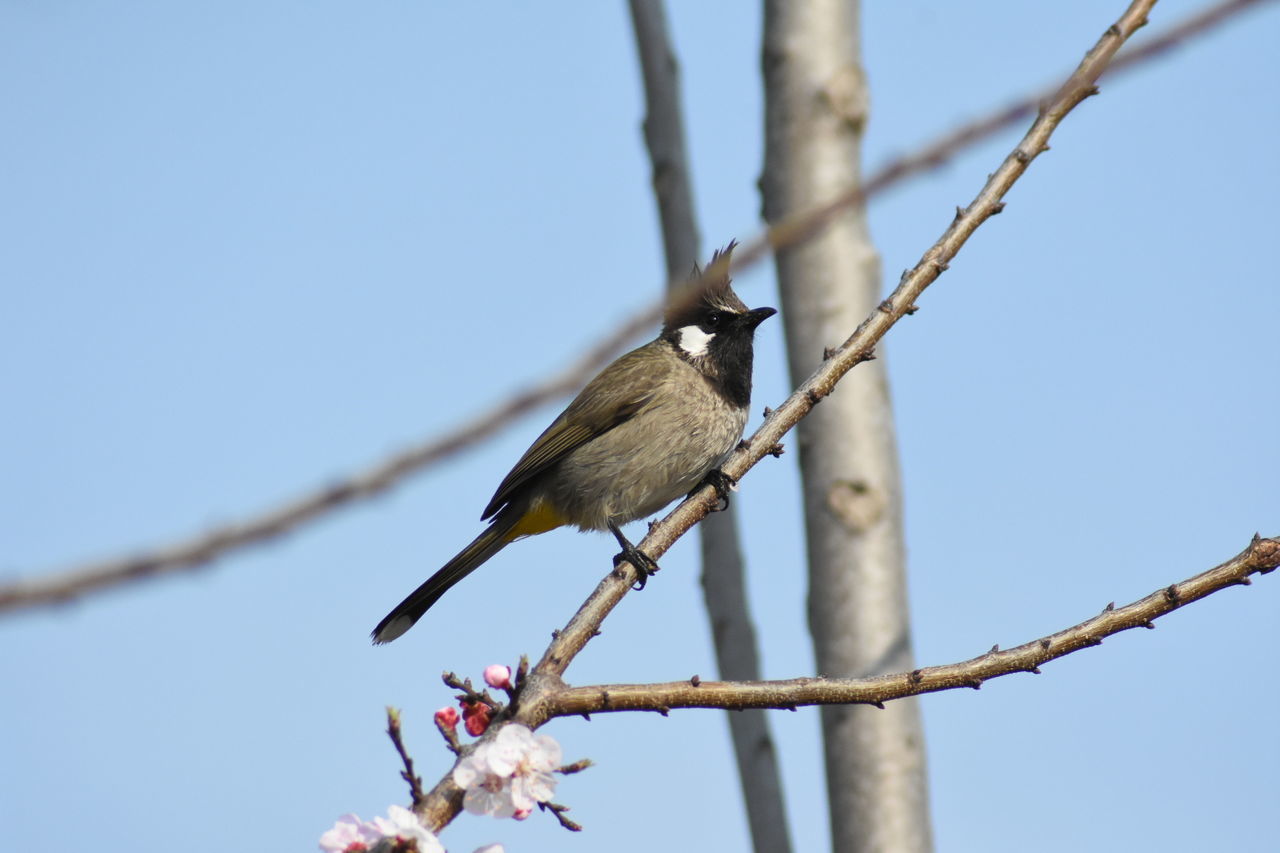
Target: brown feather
598,408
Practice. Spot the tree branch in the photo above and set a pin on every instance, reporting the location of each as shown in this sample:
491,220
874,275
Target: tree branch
393,732
59,586
1260,557
664,136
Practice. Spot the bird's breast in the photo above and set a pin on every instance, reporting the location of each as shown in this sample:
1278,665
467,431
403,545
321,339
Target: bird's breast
645,463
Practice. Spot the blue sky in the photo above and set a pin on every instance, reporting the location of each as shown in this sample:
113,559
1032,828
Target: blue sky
247,248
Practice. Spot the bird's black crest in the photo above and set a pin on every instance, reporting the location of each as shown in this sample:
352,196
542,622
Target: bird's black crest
713,293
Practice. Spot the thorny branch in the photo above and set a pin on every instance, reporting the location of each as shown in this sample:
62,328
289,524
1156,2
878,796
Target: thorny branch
64,585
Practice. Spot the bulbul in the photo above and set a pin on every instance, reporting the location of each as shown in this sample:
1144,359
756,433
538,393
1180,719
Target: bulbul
651,427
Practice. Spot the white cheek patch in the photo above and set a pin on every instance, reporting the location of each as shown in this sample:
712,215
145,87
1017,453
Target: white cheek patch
693,340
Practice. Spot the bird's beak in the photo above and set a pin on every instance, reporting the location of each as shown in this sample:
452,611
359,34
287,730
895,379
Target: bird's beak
758,316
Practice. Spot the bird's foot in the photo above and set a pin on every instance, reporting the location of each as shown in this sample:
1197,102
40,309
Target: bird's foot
722,483
644,565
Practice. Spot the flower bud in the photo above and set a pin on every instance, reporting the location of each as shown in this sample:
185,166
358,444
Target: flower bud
497,675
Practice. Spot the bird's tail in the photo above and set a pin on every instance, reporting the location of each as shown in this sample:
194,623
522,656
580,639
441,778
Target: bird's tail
495,537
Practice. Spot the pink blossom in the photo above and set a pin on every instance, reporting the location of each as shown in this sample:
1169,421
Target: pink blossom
349,834
475,717
352,835
486,792
497,675
509,774
447,717
404,824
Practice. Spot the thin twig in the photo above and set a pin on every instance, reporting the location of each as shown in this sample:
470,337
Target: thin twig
467,692
393,731
559,810
63,585
576,767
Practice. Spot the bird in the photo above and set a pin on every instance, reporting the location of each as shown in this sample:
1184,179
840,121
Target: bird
651,427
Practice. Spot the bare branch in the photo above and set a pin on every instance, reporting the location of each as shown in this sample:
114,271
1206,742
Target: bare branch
1260,557
558,811
64,585
393,731
664,136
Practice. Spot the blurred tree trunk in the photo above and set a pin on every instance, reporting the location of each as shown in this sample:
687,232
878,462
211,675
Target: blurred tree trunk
723,570
815,110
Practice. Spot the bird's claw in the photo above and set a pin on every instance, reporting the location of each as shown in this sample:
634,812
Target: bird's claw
640,561
722,483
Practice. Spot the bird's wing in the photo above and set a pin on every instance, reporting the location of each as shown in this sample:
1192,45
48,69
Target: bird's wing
617,394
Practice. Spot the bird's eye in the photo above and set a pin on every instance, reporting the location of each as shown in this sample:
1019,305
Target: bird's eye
713,320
